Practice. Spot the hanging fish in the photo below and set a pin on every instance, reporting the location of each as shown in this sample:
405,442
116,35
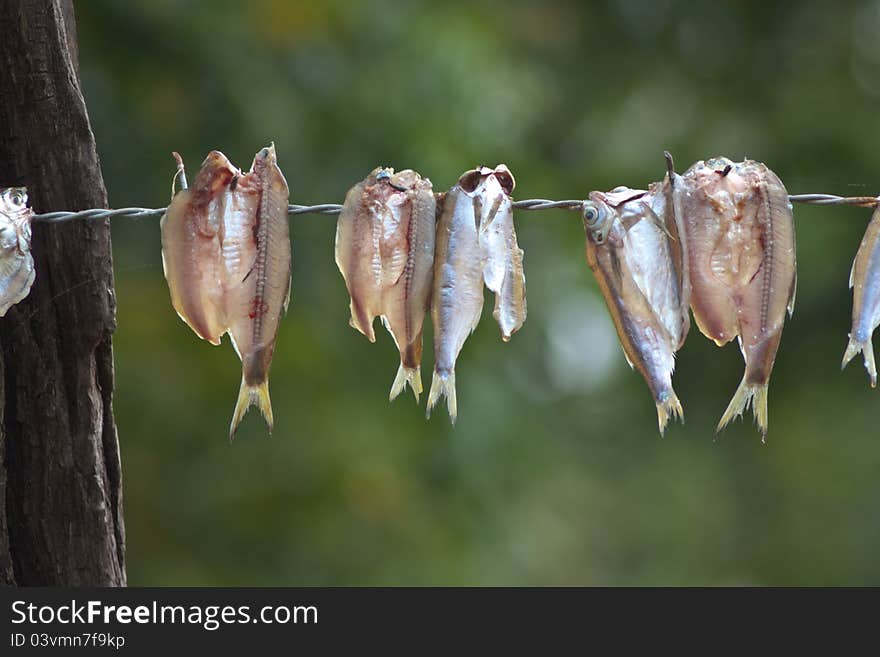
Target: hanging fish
192,234
385,252
740,237
633,249
16,263
503,270
864,279
476,243
257,276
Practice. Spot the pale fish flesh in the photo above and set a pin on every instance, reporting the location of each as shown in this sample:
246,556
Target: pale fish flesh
192,234
385,251
16,263
739,232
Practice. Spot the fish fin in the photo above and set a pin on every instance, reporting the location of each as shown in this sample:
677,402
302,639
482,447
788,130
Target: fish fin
443,385
867,348
361,321
657,221
252,395
668,408
628,359
793,295
852,274
287,296
748,394
410,375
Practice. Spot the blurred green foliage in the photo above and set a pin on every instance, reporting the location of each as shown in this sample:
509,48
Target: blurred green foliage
555,473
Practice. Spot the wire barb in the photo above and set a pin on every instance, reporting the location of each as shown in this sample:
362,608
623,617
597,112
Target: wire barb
334,208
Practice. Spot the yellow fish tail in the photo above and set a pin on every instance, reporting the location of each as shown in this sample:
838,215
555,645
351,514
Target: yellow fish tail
748,394
251,395
443,385
410,375
867,348
670,407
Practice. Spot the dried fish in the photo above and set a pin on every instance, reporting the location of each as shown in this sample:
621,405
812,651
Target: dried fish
257,264
633,250
385,252
476,243
503,270
226,255
16,262
192,234
740,237
864,279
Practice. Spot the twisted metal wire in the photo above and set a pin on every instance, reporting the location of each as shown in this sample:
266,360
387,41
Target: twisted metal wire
334,209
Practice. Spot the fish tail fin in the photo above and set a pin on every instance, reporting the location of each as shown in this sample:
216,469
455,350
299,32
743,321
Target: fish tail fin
410,375
252,395
670,407
443,385
867,348
748,394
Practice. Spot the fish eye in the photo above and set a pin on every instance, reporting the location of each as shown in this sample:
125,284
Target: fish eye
591,214
17,197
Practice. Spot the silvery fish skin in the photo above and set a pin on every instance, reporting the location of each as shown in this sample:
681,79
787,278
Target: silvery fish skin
632,251
16,263
385,251
257,278
192,234
503,270
864,279
457,301
476,243
741,243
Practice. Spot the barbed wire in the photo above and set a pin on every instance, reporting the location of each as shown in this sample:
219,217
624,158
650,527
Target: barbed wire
334,208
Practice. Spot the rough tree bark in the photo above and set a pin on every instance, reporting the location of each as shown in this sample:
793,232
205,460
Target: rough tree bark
60,475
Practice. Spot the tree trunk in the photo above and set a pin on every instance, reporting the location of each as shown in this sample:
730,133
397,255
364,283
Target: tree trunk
60,474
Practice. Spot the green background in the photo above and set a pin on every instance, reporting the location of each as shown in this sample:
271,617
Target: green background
555,473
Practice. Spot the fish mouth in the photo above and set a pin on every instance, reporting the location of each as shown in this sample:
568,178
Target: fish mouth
267,153
470,180
505,178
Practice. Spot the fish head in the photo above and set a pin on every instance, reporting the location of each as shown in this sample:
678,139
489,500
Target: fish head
487,182
714,172
505,178
380,174
15,218
599,218
605,210
265,169
404,181
264,159
13,201
214,176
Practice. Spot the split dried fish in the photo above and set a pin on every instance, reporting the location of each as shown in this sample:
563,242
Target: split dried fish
192,234
503,270
385,252
864,279
476,243
256,255
226,256
16,262
740,237
634,250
